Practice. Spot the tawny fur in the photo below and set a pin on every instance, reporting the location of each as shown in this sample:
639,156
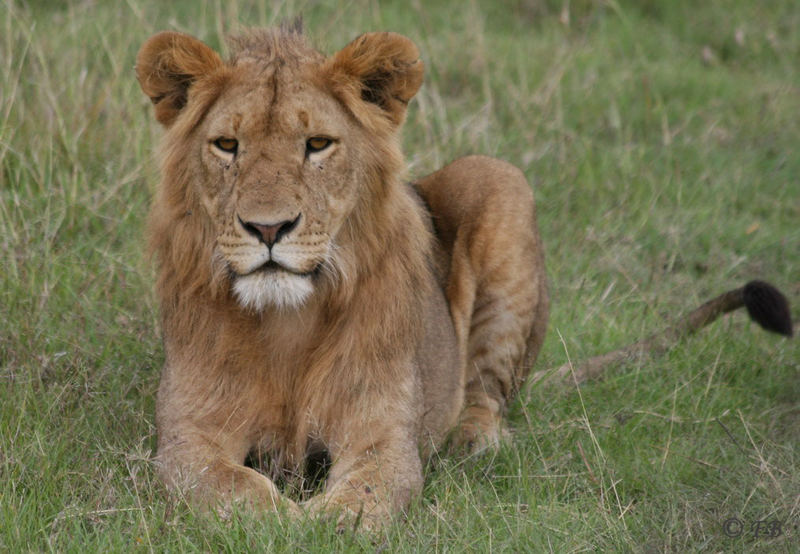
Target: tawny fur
418,326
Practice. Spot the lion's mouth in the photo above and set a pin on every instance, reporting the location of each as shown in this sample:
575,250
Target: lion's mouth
275,284
272,266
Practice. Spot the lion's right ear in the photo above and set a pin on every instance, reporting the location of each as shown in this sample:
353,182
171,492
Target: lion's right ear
167,65
377,74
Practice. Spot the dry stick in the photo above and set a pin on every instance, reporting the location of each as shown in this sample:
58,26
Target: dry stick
765,304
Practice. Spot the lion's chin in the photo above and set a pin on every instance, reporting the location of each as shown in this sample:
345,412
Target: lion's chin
278,289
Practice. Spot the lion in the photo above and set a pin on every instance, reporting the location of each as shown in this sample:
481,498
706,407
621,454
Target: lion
314,302
316,305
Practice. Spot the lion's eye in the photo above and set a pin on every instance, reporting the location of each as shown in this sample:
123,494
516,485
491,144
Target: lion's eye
228,145
317,144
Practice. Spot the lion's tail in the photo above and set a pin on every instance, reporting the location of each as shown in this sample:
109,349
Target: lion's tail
766,305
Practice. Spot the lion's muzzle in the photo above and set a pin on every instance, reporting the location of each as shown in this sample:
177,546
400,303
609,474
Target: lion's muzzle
270,233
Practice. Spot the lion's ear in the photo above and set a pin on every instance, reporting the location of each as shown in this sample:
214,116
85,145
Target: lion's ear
377,69
166,66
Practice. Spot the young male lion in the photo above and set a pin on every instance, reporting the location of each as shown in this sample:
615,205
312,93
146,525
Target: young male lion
313,301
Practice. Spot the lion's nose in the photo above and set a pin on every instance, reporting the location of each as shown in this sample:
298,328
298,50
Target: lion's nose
270,233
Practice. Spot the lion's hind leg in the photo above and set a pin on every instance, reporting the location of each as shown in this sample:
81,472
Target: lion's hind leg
484,214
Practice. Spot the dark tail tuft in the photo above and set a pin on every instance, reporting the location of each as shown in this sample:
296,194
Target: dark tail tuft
768,307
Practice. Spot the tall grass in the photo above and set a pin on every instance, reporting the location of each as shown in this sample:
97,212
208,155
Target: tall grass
660,138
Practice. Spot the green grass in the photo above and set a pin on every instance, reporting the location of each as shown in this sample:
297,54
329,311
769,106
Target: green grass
663,176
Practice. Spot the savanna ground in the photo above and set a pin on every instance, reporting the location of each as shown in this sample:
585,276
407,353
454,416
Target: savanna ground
661,139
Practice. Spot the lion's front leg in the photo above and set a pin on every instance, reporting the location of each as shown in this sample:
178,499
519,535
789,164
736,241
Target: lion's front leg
371,482
210,477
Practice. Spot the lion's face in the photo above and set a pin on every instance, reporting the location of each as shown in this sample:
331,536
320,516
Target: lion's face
278,179
279,146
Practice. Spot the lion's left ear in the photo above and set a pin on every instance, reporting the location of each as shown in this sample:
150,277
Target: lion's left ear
167,65
376,70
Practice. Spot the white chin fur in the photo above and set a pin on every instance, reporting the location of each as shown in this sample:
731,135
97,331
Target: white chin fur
279,289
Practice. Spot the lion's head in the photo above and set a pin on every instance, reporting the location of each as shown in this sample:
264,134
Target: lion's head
273,159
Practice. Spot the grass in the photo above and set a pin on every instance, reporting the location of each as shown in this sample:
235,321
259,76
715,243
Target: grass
660,137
